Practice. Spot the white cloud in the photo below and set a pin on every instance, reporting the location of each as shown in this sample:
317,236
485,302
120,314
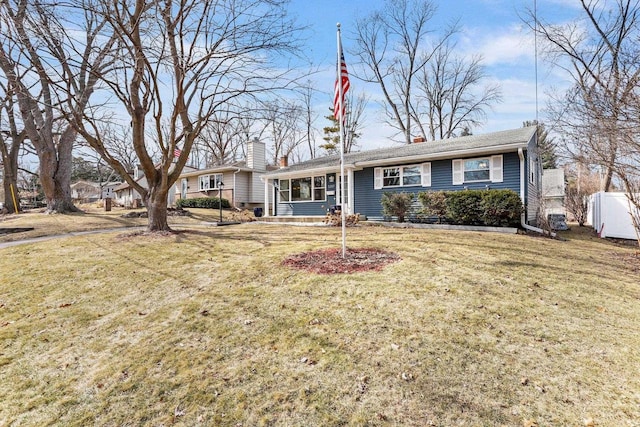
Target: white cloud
510,45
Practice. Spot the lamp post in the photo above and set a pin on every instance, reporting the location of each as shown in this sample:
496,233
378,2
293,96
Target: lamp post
220,188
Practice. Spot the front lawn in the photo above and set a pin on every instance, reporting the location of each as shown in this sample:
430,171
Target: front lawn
207,327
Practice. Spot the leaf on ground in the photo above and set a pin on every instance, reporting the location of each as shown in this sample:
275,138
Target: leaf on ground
331,261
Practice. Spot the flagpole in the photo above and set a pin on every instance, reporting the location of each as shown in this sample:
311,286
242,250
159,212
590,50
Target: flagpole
342,112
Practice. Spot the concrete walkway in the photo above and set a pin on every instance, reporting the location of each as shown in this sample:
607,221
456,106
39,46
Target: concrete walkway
104,230
70,234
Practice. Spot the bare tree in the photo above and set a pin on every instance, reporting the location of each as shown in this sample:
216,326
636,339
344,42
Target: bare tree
309,118
392,44
221,138
177,65
12,137
284,127
581,183
117,140
451,97
600,53
47,68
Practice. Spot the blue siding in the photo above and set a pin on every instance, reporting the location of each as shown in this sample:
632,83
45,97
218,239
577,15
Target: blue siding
367,199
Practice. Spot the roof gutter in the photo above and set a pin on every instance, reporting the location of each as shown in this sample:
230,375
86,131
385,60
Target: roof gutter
442,155
305,172
522,197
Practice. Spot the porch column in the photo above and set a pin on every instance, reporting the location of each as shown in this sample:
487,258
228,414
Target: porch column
350,195
266,198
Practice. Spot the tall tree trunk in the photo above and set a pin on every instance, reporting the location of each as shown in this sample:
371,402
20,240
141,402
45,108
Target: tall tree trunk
55,173
10,181
156,202
9,153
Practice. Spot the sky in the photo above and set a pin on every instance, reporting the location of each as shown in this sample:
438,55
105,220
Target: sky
491,28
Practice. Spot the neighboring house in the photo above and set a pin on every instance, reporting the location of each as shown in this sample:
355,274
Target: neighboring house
89,191
241,180
499,160
128,197
553,188
85,191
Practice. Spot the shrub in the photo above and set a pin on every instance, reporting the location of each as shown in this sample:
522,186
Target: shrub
434,203
396,204
203,202
463,207
501,208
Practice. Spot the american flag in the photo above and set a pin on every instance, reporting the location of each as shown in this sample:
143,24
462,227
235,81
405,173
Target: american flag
177,152
342,78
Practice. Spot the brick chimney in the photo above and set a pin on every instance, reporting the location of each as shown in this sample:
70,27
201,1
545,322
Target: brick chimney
284,161
418,139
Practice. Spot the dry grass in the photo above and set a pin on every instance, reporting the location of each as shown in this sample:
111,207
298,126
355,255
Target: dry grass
207,328
94,217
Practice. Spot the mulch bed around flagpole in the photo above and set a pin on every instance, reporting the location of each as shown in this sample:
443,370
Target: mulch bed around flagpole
330,261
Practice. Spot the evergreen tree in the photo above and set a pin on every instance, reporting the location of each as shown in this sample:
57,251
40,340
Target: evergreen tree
546,145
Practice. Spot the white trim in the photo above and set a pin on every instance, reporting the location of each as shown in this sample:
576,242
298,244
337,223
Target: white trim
350,200
266,198
425,176
377,178
496,168
457,168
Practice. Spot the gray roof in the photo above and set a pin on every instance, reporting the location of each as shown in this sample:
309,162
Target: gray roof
490,142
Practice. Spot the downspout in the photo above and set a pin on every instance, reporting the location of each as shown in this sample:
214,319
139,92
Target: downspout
522,197
234,189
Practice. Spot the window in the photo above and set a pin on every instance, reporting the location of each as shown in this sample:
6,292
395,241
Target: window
391,177
209,182
301,189
284,190
532,169
305,189
411,175
403,176
318,188
477,170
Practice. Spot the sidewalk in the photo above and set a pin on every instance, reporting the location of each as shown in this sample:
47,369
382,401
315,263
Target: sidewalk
70,234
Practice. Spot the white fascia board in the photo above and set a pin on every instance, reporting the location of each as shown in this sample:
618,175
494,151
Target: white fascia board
306,172
443,155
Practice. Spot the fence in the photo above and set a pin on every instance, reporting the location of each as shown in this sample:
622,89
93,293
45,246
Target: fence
609,214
